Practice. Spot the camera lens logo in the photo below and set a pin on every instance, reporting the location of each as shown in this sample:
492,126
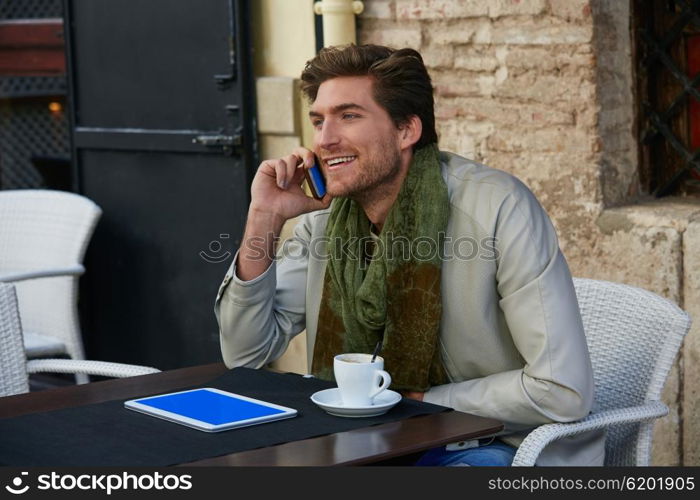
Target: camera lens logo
215,247
16,488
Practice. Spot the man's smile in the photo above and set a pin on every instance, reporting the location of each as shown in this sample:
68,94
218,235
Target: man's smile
339,162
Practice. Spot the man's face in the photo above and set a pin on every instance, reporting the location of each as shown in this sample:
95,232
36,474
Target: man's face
355,140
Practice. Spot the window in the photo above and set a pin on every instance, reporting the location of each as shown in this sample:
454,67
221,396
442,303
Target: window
667,41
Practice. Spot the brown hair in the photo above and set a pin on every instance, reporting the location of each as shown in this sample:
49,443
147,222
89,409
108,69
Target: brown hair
401,82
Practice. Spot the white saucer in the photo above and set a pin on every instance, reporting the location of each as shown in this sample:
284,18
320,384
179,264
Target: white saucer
331,402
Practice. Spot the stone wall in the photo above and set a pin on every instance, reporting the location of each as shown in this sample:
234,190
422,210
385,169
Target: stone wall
544,89
515,88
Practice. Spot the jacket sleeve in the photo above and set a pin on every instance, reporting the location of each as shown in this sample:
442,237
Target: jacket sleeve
537,297
258,318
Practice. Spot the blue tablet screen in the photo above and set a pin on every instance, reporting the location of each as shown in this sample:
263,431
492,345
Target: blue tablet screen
210,407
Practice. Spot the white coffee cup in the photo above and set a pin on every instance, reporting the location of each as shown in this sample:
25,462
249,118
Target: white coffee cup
359,380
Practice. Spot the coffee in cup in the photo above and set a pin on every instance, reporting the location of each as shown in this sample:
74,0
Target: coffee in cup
359,379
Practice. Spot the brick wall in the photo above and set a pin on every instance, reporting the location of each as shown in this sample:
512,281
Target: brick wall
515,85
544,89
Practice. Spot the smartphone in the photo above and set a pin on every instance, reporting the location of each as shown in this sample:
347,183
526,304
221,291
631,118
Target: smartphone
317,183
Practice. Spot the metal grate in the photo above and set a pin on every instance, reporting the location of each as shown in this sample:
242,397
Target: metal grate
29,130
31,136
32,86
666,92
30,9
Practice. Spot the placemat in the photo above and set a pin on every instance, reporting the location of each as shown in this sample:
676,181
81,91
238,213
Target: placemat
107,434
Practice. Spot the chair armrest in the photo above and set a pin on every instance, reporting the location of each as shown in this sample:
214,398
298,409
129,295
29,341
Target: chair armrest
535,442
76,270
102,368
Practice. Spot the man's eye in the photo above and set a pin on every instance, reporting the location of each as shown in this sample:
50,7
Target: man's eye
316,123
350,116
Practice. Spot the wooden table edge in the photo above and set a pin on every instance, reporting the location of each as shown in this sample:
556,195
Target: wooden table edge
296,453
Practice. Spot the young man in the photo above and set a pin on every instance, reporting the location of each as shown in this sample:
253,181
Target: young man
454,265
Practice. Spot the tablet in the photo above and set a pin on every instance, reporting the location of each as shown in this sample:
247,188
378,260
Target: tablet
209,409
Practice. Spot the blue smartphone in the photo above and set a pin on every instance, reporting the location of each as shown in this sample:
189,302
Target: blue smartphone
317,183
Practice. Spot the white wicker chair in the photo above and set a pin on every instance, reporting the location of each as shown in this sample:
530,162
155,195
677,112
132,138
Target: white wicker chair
633,336
14,367
43,238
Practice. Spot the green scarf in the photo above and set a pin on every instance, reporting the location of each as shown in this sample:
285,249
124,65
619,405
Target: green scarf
388,286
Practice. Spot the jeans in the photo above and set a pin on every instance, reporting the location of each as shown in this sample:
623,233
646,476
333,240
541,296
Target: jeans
496,453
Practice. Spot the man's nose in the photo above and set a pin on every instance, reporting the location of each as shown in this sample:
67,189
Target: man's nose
328,136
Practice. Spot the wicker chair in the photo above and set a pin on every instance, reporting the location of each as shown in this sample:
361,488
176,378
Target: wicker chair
14,367
43,238
633,336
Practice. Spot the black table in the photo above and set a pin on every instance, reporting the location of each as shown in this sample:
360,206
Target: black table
381,443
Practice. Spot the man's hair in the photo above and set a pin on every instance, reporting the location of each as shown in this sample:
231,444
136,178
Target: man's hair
401,82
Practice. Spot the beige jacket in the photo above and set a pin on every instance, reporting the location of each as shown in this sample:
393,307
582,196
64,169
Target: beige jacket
511,335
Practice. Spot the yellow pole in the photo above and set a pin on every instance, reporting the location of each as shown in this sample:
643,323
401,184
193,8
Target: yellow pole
338,20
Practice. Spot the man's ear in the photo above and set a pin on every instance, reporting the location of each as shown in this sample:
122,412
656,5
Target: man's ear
410,132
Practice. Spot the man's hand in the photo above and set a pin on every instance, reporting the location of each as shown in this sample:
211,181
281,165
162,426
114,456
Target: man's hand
418,396
276,197
276,188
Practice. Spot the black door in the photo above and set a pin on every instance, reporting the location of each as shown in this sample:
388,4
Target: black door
163,141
